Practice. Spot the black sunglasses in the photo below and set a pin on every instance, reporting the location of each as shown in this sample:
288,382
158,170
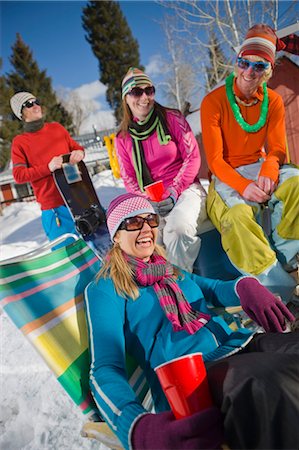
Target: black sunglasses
257,66
138,91
30,103
137,222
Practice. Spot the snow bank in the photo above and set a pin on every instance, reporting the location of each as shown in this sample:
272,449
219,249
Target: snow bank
35,412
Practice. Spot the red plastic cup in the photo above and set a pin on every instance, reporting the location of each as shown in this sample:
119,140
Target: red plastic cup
155,191
185,384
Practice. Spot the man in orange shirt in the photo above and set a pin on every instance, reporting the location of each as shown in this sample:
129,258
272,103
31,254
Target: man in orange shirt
243,128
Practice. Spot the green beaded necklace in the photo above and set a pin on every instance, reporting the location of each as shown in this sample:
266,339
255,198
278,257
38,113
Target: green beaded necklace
236,110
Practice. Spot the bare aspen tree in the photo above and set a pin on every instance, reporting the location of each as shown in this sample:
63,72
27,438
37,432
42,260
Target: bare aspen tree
228,20
179,81
80,109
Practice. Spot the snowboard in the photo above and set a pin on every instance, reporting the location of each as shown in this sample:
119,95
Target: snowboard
80,197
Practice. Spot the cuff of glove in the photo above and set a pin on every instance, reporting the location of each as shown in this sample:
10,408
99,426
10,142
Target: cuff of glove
133,437
172,193
241,284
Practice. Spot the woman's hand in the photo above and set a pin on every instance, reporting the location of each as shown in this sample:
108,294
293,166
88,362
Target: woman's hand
203,430
168,201
262,306
163,207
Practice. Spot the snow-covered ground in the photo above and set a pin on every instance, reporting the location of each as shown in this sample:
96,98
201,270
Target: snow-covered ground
35,412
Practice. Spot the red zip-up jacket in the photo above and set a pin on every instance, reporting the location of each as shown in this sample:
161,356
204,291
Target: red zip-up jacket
31,154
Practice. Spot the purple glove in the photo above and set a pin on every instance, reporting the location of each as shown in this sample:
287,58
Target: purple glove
203,430
262,306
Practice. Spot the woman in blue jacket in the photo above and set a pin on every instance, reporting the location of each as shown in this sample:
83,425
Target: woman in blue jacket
143,305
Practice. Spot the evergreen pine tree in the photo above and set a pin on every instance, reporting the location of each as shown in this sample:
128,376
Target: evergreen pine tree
218,68
8,127
113,45
26,77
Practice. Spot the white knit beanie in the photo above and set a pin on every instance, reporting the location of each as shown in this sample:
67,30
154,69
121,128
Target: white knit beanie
18,100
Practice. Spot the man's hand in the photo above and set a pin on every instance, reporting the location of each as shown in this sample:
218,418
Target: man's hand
254,193
55,163
266,184
76,156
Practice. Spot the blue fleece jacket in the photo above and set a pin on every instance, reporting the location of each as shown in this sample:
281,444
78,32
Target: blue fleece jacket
140,327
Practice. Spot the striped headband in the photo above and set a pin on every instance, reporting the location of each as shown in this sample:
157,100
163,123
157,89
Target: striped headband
134,77
260,40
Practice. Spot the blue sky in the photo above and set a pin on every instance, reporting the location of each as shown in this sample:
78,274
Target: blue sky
54,33
53,30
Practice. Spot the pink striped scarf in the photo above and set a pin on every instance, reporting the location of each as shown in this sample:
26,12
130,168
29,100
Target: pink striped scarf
159,273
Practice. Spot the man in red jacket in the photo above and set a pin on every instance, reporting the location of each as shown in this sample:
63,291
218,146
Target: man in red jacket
35,154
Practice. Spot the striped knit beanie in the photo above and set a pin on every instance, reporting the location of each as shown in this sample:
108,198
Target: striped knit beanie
134,77
125,206
18,100
262,41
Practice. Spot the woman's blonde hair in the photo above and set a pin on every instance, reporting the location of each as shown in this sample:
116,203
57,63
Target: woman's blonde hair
120,272
267,73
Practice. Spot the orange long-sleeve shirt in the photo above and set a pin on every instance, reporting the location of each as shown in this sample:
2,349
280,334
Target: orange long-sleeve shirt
228,146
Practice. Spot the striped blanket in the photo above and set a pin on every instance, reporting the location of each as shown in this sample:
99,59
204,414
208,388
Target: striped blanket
44,297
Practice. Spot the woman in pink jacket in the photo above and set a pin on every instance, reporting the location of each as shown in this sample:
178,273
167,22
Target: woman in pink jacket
156,143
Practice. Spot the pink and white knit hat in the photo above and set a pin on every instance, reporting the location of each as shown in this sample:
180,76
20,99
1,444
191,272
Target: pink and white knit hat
123,207
262,41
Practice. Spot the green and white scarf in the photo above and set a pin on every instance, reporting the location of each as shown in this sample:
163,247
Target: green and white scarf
140,131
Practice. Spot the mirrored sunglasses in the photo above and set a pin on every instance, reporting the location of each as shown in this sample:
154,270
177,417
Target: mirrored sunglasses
137,222
138,91
30,103
257,66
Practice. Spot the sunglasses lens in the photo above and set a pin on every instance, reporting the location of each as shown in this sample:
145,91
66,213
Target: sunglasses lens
136,223
256,66
149,90
243,63
153,220
260,67
30,103
138,92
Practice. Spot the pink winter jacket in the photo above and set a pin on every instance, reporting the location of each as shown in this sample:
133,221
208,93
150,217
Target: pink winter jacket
176,163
